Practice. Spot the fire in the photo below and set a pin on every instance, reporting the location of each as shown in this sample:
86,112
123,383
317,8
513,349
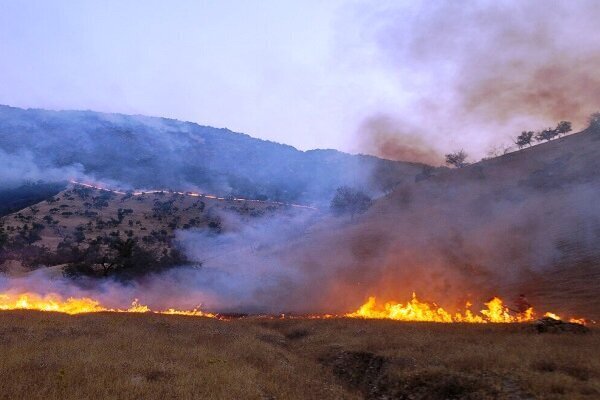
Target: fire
416,310
191,194
552,315
82,305
581,321
413,310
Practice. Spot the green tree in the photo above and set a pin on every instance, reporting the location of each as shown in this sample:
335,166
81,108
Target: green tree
563,128
595,121
524,139
546,134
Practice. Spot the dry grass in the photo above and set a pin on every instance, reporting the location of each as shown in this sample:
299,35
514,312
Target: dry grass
54,356
186,211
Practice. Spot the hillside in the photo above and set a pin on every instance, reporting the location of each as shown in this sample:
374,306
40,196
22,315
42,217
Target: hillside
524,223
86,224
147,152
527,222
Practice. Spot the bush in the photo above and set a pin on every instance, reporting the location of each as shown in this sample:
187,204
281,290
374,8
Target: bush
457,159
350,201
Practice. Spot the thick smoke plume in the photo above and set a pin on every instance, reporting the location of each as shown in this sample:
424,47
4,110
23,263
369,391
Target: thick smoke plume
396,140
490,68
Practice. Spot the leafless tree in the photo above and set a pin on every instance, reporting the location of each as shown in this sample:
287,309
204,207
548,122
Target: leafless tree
457,159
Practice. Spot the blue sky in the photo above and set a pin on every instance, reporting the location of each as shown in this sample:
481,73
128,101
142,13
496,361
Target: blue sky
313,74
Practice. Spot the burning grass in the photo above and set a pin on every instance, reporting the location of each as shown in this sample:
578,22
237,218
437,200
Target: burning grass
151,356
414,310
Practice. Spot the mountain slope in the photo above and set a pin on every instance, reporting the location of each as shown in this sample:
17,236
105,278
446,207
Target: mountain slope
148,152
527,222
83,225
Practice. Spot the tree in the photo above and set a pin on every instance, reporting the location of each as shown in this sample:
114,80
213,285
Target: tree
3,238
349,201
595,121
546,134
457,159
563,128
524,139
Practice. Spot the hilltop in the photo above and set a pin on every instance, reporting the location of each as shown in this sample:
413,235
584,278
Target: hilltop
148,152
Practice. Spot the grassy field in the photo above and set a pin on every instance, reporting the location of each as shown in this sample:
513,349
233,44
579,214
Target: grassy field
141,356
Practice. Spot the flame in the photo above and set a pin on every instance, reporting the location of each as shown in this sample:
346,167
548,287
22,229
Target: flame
581,321
552,315
191,194
82,305
413,310
416,310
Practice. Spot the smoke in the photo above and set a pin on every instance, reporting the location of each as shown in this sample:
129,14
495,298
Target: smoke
479,73
22,167
466,235
155,153
396,140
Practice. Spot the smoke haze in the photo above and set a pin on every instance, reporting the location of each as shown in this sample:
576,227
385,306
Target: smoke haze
478,73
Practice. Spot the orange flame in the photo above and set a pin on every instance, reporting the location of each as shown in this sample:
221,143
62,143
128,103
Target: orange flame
191,194
71,305
416,310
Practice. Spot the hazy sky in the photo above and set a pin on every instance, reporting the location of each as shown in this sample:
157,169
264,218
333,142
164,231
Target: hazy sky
307,73
272,69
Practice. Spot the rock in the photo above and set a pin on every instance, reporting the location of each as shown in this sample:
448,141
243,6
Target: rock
551,325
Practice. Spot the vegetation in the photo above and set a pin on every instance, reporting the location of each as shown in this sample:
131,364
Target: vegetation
595,121
350,201
17,198
546,134
121,258
563,128
169,156
457,159
167,357
96,233
524,139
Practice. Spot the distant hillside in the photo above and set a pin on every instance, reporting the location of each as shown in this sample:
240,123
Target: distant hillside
90,229
148,152
16,198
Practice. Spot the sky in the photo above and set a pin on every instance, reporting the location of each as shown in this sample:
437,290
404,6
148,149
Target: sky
385,78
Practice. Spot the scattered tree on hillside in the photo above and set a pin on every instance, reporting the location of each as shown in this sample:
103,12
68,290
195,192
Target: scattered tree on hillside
563,128
524,139
595,121
546,134
457,159
3,238
123,259
350,201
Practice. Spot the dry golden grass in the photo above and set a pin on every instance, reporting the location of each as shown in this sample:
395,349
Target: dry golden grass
142,356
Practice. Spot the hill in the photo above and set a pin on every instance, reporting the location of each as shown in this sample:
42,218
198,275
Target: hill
148,152
524,223
86,231
15,198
